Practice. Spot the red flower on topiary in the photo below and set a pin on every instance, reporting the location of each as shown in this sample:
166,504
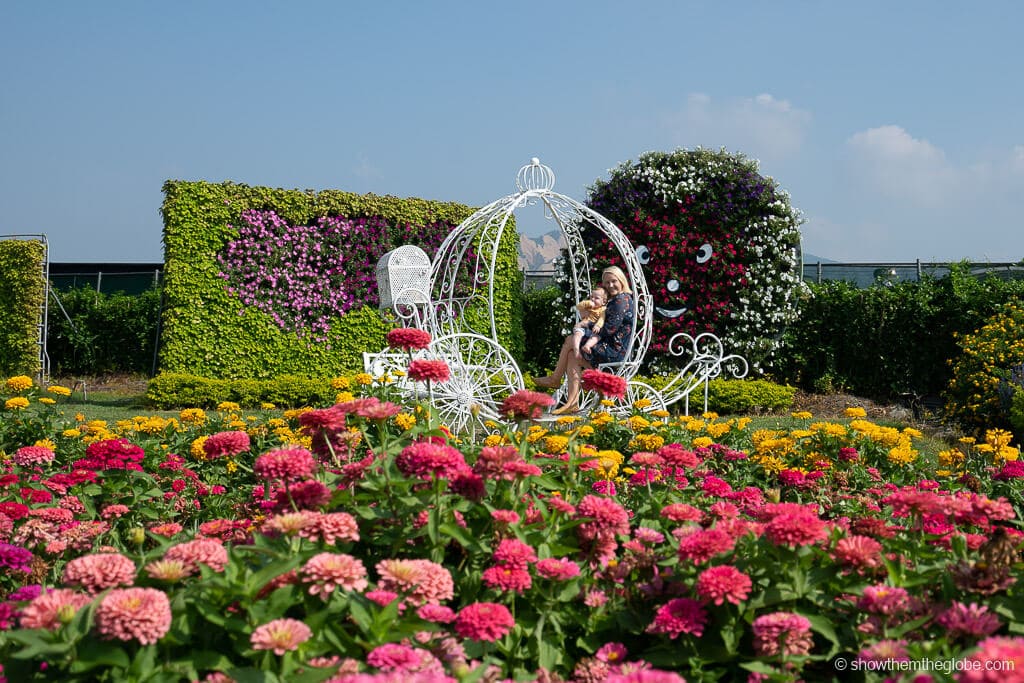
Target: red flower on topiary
525,405
604,383
408,338
429,371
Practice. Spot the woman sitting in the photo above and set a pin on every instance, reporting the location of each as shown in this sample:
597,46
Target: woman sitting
612,343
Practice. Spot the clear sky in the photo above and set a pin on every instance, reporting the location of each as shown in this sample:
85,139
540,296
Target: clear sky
897,127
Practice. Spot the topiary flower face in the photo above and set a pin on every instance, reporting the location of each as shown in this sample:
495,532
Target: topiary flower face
718,242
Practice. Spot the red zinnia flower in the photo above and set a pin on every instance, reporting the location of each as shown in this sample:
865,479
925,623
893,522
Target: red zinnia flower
226,444
604,383
408,338
525,405
429,371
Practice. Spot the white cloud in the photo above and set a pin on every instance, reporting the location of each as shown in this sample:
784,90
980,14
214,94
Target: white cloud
891,161
760,127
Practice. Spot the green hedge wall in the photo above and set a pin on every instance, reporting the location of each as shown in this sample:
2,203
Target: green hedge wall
208,332
22,292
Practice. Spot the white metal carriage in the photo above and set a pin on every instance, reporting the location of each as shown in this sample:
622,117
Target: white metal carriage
455,303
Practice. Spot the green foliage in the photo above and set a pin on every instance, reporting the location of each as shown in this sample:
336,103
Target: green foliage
986,375
171,390
1017,412
22,295
207,333
107,332
542,328
884,341
734,397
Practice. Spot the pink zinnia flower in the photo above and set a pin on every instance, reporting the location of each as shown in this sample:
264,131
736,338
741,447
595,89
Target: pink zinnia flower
378,410
208,551
280,635
611,653
426,460
997,660
438,614
226,444
52,609
702,545
323,419
861,552
327,571
678,616
505,516
557,569
429,371
99,571
605,516
288,464
644,675
782,632
142,614
885,650
972,621
332,527
484,621
27,456
507,578
395,657
525,405
885,600
408,339
114,511
604,383
796,529
420,581
167,529
681,512
514,553
383,598
723,583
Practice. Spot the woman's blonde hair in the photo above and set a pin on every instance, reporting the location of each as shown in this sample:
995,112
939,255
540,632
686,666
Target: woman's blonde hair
620,276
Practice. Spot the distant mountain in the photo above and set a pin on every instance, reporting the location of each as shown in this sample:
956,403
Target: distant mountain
811,258
538,253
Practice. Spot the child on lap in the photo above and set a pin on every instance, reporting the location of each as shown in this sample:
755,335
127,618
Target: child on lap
592,312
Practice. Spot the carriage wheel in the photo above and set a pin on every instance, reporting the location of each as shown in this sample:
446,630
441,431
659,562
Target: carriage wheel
639,391
483,374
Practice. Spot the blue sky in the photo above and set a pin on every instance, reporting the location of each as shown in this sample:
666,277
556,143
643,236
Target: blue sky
897,127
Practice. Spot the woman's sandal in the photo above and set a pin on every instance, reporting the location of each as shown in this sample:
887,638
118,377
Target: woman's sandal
567,409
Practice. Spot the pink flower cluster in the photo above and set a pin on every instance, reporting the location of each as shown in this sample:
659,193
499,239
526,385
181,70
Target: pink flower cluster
427,460
280,636
52,608
679,616
27,456
191,554
525,405
100,571
327,571
484,621
417,581
111,454
285,464
782,633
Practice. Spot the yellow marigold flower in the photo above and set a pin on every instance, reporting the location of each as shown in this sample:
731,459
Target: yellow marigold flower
702,442
71,433
642,403
585,432
967,439
902,455
276,422
46,400
645,442
717,429
196,449
555,445
660,413
607,403
770,463
710,415
231,466
493,440
801,415
997,438
193,416
950,458
339,383
237,424
405,421
267,406
695,425
607,464
742,423
363,379
344,397
58,390
601,419
636,423
564,420
764,435
855,412
801,433
911,432
228,406
79,417
16,403
295,412
46,443
18,383
535,434
829,428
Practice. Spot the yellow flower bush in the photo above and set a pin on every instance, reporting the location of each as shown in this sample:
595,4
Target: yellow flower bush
18,384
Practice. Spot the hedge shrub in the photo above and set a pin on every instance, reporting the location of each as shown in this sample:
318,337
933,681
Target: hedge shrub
208,332
172,390
22,295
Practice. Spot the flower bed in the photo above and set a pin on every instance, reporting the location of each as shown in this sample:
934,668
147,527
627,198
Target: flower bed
363,542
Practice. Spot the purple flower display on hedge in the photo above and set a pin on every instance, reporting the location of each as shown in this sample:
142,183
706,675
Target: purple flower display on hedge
306,276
